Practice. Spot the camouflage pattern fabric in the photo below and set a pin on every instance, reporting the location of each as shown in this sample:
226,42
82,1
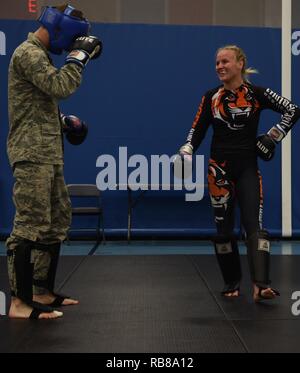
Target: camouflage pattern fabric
43,207
34,88
43,214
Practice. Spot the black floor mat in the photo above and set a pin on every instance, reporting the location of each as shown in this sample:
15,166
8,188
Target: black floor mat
163,304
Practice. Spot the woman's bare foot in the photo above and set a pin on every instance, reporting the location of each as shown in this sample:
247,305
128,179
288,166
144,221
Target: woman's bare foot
261,293
233,294
50,298
20,310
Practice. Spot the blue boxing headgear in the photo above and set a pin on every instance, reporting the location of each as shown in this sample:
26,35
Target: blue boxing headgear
63,28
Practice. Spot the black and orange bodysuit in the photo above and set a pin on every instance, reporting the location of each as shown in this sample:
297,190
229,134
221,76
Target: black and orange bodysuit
233,174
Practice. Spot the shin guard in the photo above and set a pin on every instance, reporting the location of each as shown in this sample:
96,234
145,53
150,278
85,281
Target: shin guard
228,257
55,252
258,252
20,259
48,281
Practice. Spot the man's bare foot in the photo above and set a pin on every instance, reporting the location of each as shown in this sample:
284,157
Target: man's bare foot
48,299
20,310
261,293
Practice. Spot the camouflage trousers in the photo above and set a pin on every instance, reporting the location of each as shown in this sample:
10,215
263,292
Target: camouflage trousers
43,215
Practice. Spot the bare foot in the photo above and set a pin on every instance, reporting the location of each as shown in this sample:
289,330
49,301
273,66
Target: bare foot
235,293
20,310
50,298
261,294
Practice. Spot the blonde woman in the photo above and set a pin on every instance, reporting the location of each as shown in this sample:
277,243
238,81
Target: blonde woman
233,109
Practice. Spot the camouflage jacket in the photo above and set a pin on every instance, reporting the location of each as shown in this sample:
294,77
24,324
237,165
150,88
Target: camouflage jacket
34,88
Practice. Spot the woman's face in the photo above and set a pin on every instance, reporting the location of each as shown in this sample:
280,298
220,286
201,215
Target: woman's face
228,68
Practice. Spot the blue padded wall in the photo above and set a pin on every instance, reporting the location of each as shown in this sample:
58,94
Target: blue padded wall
143,93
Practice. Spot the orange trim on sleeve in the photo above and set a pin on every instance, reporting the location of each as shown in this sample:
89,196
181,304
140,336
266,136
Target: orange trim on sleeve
200,109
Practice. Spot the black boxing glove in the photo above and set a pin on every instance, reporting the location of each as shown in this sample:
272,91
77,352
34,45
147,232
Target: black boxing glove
265,147
85,48
74,128
71,123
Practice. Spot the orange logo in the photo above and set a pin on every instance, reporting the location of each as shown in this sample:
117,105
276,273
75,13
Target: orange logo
235,107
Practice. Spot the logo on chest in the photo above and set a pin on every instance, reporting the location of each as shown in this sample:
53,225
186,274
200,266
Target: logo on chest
234,108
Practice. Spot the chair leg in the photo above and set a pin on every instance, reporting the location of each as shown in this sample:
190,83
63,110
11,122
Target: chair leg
68,239
98,236
101,224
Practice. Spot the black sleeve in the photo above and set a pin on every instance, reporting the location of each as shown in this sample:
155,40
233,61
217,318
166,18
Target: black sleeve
290,112
201,122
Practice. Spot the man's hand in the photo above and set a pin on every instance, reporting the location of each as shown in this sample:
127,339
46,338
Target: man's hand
71,123
85,48
74,128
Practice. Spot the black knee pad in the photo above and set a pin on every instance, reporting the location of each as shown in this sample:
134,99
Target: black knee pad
228,257
258,252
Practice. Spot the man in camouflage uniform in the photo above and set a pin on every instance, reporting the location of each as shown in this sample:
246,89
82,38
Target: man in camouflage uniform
35,151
